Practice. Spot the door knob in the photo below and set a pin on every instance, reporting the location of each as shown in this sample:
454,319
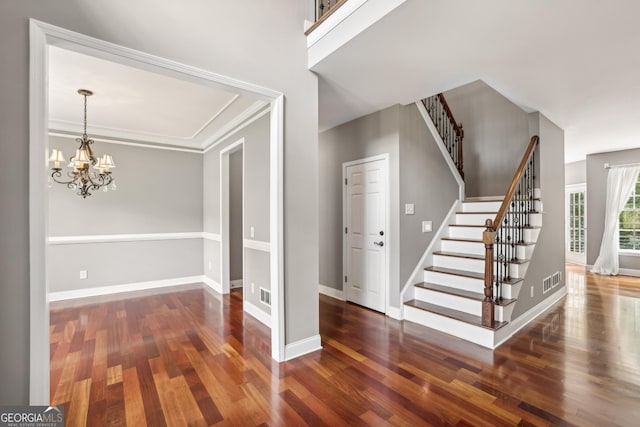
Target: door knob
381,244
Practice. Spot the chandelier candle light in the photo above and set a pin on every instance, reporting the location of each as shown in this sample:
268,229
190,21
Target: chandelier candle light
81,178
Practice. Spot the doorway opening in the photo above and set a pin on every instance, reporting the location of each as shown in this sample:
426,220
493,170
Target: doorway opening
232,215
575,224
42,37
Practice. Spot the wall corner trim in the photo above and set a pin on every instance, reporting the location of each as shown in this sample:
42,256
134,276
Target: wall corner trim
331,292
258,314
302,347
258,245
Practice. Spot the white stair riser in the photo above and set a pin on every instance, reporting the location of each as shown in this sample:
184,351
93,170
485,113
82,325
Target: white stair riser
481,218
450,301
476,334
503,314
529,235
481,206
451,280
471,306
468,283
475,265
476,248
491,206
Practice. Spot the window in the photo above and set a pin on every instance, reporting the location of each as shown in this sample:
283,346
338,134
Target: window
630,222
576,222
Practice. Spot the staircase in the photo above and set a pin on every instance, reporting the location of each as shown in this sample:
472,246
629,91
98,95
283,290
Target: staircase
450,297
480,261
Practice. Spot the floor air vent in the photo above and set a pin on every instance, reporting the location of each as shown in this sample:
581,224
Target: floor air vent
265,296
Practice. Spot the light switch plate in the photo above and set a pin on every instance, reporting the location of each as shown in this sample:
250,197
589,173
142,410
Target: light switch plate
409,209
427,226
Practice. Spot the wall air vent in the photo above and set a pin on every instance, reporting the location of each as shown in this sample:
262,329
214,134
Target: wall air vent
265,296
551,282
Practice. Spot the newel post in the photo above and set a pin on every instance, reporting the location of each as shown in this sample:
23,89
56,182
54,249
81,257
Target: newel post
488,237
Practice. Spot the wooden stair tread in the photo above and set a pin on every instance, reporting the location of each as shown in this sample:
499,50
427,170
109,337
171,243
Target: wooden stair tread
452,314
460,293
453,239
469,274
526,227
474,256
491,213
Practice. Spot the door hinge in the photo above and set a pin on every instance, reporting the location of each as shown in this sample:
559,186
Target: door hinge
345,230
345,279
345,181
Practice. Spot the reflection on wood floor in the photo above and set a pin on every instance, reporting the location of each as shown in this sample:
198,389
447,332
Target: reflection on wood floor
190,357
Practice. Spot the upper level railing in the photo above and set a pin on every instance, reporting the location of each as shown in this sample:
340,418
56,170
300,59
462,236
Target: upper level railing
450,131
506,231
324,9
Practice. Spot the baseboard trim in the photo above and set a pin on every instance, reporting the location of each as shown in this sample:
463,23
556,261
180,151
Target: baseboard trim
514,326
302,347
629,272
394,313
331,292
116,289
212,284
235,283
256,313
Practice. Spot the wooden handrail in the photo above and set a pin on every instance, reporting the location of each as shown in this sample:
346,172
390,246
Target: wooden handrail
456,125
324,17
514,182
493,228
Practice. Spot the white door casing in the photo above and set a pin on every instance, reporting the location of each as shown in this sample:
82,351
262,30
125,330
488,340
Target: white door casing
365,222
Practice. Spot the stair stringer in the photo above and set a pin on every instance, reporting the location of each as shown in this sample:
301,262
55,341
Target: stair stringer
407,292
441,145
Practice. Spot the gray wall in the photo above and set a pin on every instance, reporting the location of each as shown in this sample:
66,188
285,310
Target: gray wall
427,182
256,205
495,136
418,174
235,214
158,191
367,136
575,173
273,56
597,198
549,253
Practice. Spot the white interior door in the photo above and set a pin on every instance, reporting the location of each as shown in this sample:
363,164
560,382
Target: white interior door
366,234
576,220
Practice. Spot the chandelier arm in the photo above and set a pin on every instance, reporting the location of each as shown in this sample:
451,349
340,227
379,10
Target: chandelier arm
57,174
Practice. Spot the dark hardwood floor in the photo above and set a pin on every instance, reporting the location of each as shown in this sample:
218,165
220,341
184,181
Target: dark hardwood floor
189,357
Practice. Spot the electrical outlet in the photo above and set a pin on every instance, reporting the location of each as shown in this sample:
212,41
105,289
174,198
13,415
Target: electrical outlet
532,292
253,288
427,226
83,274
252,232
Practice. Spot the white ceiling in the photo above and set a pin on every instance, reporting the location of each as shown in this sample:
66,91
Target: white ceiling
576,61
139,105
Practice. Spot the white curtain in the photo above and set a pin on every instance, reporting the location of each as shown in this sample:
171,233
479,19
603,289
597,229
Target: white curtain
620,183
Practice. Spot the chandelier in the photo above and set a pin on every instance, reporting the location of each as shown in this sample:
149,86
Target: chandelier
81,177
